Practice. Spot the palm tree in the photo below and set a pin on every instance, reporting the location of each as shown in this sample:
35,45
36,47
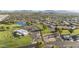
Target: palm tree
71,28
41,34
40,44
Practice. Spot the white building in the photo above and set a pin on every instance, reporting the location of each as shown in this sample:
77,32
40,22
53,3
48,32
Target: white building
21,32
2,17
72,20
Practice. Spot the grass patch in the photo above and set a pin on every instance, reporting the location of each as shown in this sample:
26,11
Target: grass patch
65,32
7,39
45,31
75,32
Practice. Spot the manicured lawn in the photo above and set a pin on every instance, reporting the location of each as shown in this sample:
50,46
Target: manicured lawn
75,32
45,31
7,39
65,32
11,25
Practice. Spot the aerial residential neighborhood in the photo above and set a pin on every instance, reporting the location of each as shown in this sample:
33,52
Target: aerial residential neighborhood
42,29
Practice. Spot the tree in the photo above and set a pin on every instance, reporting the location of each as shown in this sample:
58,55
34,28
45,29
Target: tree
2,28
71,30
55,46
60,30
7,28
56,28
40,44
41,36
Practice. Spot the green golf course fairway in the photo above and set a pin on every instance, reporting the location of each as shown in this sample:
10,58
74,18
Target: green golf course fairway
7,40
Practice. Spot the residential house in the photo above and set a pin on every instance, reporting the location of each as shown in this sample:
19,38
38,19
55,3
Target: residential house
20,32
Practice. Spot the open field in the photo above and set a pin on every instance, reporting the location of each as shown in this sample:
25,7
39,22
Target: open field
7,39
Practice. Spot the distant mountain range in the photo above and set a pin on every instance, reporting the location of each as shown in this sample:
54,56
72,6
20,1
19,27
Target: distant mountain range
42,11
60,11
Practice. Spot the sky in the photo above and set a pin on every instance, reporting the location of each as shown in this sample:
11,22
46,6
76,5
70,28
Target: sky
39,5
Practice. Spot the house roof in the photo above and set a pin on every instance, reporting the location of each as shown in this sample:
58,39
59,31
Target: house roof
21,31
2,17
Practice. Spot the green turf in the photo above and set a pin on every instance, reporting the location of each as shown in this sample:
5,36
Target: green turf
75,32
7,39
45,31
65,32
11,25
